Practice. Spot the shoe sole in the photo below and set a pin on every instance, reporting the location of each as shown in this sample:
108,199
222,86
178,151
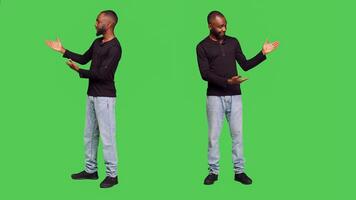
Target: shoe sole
243,182
85,178
109,186
210,183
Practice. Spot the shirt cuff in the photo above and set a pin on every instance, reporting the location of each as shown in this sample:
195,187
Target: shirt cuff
81,73
65,55
262,56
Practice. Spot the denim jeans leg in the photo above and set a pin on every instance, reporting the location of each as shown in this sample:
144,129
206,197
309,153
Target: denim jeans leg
91,137
105,113
215,114
234,117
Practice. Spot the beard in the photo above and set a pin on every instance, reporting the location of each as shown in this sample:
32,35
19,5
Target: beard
217,35
100,31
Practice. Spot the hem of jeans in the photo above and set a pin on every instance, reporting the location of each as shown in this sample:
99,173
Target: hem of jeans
214,172
239,172
90,171
111,176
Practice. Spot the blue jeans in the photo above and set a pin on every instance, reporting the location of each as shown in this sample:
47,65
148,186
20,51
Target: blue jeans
217,108
100,121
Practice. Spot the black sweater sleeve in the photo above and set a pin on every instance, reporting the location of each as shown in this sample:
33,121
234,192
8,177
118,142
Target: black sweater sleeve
81,59
243,62
107,69
206,73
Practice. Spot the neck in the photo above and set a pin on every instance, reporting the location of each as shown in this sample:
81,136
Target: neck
109,35
212,37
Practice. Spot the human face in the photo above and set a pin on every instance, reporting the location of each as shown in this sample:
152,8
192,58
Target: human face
218,27
101,25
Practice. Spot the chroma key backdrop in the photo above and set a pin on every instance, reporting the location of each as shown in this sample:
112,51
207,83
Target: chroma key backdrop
298,106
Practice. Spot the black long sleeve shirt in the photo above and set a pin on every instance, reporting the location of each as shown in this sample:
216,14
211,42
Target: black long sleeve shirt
105,58
217,63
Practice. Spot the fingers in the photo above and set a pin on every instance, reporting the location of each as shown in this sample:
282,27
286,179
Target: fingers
238,79
47,43
50,44
275,44
243,79
70,63
235,77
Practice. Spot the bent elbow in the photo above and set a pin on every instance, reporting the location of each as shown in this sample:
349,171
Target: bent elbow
245,67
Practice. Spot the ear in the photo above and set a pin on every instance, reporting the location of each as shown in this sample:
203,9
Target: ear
210,26
111,25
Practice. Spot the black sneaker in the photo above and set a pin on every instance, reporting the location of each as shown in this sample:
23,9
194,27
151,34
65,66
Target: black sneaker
85,175
243,178
210,179
109,182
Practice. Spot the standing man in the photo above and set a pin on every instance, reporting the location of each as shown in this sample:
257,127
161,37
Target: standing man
105,54
217,55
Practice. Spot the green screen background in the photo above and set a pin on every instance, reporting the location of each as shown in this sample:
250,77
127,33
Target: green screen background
299,105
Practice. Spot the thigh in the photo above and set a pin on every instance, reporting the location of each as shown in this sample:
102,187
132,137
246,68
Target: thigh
215,111
105,113
235,115
91,123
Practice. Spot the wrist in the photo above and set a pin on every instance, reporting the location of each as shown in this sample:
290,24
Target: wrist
263,52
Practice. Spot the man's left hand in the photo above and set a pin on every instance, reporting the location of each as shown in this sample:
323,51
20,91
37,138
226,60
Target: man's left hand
72,65
269,47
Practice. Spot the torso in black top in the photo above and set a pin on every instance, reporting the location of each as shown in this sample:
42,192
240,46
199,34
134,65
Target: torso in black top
217,63
105,58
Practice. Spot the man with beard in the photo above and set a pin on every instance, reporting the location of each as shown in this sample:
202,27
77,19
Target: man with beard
217,55
105,54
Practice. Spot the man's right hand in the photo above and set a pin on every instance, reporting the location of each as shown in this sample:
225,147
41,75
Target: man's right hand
235,80
56,45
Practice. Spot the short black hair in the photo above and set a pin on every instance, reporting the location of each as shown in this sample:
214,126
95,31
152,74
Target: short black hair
213,14
111,14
